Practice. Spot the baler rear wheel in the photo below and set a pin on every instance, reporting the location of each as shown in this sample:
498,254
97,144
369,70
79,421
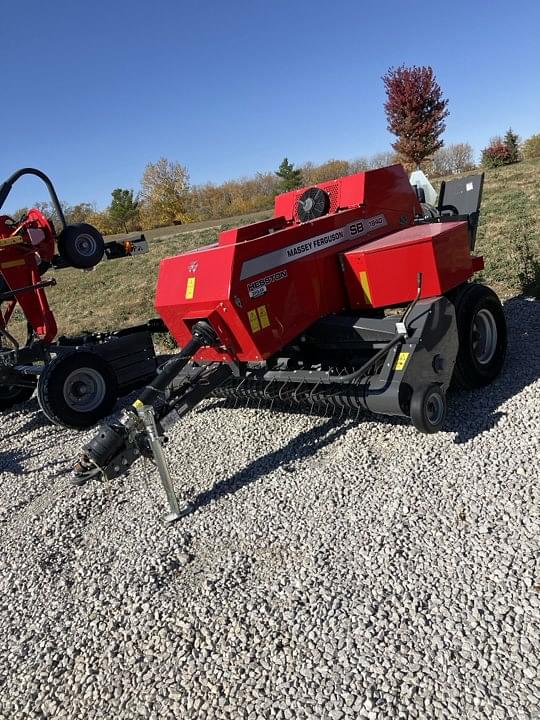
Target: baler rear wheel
428,408
77,390
11,395
482,333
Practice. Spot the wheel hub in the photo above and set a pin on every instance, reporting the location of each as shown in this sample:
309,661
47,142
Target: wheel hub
84,389
484,336
434,408
85,244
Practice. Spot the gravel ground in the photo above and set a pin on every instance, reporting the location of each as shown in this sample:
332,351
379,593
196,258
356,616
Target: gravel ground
332,568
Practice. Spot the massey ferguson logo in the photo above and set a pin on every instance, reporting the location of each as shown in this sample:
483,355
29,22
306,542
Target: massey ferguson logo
192,267
290,253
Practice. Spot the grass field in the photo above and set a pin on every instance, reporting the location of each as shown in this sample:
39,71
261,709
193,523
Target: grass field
120,293
509,232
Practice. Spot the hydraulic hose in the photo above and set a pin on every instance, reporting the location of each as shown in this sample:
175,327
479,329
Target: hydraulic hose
343,379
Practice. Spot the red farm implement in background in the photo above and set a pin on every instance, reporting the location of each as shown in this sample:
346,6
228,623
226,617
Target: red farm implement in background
78,379
356,295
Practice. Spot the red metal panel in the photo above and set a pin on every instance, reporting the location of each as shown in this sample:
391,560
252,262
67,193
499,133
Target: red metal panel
252,276
440,251
262,285
384,187
20,252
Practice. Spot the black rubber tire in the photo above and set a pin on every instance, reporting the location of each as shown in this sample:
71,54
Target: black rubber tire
469,300
428,408
81,246
11,395
53,390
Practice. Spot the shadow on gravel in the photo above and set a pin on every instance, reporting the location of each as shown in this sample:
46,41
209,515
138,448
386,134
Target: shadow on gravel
469,413
475,412
35,420
11,461
303,446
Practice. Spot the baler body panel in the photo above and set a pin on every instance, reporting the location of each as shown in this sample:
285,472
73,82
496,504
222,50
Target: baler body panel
263,285
384,272
266,290
386,187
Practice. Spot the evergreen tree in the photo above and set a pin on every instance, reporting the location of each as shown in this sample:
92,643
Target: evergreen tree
290,178
124,208
511,140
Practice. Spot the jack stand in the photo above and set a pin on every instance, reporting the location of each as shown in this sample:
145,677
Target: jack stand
146,413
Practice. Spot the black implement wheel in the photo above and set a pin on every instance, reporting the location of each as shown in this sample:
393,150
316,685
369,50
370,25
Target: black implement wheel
12,394
428,408
77,390
482,336
81,246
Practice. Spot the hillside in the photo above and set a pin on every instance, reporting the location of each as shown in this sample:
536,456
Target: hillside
118,293
509,231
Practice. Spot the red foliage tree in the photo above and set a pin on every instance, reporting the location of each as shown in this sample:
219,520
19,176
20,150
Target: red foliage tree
415,110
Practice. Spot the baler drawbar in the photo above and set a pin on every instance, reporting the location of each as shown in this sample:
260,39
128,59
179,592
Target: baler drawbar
357,295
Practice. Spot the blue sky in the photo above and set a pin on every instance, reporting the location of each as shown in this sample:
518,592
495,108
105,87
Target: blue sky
92,91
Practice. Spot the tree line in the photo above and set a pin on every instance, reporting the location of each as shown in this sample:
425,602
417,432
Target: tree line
167,197
415,110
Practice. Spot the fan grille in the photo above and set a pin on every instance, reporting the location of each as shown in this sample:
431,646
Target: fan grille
332,191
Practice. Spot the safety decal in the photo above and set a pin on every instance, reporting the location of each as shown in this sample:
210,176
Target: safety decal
12,264
299,250
254,321
258,319
263,316
190,288
365,286
401,360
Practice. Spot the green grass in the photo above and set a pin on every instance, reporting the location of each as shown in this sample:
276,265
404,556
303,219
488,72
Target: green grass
121,292
509,231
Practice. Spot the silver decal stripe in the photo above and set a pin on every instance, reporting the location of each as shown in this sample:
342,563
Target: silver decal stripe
302,249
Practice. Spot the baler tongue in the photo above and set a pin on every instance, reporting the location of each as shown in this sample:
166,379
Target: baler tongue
139,431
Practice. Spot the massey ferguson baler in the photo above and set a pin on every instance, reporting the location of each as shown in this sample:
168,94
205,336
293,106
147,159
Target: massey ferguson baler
355,295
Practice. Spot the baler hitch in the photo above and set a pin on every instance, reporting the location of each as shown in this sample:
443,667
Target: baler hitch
139,431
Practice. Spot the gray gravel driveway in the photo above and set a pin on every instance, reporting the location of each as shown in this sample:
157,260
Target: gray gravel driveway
332,568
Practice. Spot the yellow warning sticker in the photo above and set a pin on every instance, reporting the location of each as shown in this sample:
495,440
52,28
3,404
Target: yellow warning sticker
138,404
263,316
11,264
365,285
190,288
13,240
401,360
254,321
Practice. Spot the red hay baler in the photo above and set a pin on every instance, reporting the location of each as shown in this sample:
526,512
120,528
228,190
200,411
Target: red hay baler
355,295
